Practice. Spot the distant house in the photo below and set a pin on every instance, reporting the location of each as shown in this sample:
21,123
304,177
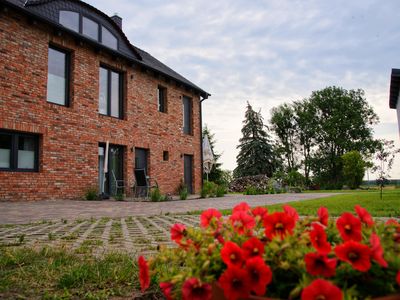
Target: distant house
394,101
70,84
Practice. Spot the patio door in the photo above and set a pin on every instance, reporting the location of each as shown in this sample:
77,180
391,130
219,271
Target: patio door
107,184
188,172
141,159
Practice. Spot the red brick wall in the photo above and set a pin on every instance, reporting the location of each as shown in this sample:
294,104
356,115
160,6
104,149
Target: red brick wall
70,135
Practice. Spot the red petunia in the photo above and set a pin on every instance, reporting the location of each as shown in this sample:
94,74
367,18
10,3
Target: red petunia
259,212
232,254
166,288
398,277
349,227
318,264
235,283
323,215
243,206
242,222
193,289
278,224
392,222
319,239
253,247
364,215
144,274
377,251
356,254
260,275
321,289
291,212
177,232
208,215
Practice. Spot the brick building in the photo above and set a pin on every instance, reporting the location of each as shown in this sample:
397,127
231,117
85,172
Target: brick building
70,81
394,95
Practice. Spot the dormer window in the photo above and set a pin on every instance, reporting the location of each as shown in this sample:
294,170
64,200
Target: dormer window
88,27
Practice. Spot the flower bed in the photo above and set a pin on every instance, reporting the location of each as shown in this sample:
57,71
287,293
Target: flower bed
278,255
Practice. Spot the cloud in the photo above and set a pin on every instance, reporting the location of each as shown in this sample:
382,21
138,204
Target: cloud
269,52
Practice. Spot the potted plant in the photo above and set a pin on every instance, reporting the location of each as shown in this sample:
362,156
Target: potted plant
253,254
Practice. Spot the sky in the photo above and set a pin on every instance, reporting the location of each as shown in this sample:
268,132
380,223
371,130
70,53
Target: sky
269,52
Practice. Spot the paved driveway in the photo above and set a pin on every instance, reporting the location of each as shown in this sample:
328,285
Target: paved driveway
26,212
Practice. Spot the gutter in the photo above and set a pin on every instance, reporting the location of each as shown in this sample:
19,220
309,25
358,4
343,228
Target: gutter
201,138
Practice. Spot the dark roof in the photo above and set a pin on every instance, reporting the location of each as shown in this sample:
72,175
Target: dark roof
394,88
47,11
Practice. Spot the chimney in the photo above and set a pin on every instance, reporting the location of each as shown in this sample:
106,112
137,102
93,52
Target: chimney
118,20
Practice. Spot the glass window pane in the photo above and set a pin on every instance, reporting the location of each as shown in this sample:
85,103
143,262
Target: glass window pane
5,150
115,97
90,28
26,152
187,115
103,91
108,39
70,20
56,79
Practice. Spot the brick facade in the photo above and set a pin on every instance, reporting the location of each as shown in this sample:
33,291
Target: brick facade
69,136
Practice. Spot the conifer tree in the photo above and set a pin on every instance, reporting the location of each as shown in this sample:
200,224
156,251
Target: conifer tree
256,152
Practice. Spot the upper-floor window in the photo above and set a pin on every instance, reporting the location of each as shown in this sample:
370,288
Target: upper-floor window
110,93
58,76
70,19
18,151
88,27
162,99
187,115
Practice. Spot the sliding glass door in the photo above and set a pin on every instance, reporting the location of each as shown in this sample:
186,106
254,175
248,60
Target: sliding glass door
115,171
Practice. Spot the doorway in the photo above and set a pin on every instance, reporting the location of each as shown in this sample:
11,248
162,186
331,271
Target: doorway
115,168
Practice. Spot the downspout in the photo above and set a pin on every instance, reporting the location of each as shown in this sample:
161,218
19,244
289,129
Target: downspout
201,139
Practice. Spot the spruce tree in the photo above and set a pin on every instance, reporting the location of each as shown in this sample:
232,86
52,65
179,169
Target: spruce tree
256,155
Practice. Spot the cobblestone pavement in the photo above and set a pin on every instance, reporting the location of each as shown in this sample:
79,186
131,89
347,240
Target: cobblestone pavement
132,235
26,212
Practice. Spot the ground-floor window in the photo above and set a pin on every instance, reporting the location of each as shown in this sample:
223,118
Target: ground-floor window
19,151
111,168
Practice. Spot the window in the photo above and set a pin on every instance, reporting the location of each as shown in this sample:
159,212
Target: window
162,99
110,93
57,76
108,39
187,115
90,28
165,155
69,19
18,151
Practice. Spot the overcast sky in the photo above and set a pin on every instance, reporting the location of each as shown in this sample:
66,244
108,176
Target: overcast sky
269,52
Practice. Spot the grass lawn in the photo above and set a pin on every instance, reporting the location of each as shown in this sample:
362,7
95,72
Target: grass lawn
26,273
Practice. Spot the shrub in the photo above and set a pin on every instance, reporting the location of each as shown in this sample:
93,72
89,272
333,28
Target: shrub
183,193
155,195
209,189
119,196
220,191
91,194
252,190
260,182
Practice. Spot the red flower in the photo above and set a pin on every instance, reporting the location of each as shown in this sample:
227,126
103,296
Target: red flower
235,283
177,232
364,215
259,212
253,247
278,224
291,212
349,227
208,215
323,215
166,288
232,254
377,251
356,254
398,277
319,240
321,289
392,222
144,275
243,206
318,264
259,274
193,289
242,222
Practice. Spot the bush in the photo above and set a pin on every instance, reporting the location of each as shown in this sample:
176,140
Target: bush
91,194
208,190
220,191
183,193
260,182
252,190
119,196
155,195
